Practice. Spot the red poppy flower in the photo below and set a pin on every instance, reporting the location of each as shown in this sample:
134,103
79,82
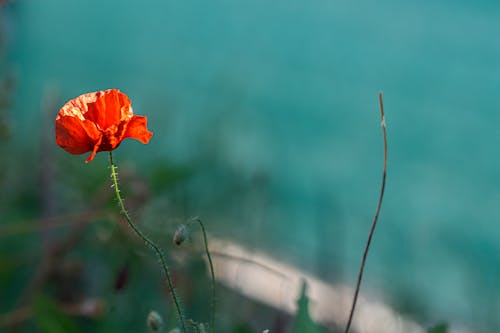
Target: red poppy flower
98,121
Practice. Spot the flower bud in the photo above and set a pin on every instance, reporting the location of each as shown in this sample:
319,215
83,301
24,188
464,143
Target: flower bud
154,321
180,234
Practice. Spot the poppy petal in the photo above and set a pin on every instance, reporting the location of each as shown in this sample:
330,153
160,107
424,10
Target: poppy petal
97,145
76,136
137,129
110,107
77,107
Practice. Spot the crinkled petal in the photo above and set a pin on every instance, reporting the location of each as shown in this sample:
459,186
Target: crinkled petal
77,107
76,136
137,129
110,108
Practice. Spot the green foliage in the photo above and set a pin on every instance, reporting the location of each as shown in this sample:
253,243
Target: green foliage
242,328
165,174
440,328
303,321
50,319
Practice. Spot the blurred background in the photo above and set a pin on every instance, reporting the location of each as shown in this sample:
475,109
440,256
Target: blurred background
266,126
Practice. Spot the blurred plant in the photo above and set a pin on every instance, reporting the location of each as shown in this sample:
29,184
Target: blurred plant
50,318
7,78
198,327
375,218
7,84
439,328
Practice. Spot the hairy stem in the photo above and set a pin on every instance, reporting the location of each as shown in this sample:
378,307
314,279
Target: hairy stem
148,241
212,283
375,218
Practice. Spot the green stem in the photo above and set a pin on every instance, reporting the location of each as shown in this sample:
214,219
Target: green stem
212,284
149,242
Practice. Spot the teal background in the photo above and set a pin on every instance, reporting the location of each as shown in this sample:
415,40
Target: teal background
274,106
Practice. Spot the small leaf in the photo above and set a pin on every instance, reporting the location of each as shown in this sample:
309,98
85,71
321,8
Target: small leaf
303,321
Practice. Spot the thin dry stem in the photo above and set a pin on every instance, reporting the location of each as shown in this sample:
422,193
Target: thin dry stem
212,273
375,217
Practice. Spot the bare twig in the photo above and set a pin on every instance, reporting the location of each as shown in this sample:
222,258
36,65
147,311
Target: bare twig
375,218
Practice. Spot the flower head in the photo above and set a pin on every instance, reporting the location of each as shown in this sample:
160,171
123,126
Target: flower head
98,121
